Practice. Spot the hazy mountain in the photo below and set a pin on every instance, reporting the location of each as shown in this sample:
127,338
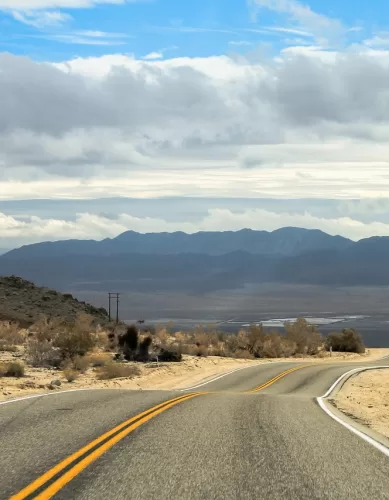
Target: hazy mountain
337,262
361,263
285,241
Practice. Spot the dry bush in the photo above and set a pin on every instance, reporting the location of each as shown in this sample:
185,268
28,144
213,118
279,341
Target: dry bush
10,335
189,349
161,336
72,343
194,350
80,363
70,375
117,370
243,354
12,369
348,340
202,339
180,337
202,351
99,359
83,322
307,338
255,339
46,329
42,354
232,343
128,342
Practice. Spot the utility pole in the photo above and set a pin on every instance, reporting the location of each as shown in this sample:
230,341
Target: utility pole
115,296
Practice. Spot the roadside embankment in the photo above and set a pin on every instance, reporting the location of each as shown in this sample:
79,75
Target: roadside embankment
365,397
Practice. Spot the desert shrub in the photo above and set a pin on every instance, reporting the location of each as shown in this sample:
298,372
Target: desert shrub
10,335
46,329
202,339
255,339
70,375
143,350
83,322
168,355
232,343
42,354
243,354
306,337
80,363
12,369
117,370
72,343
272,346
99,359
128,342
202,351
190,349
348,340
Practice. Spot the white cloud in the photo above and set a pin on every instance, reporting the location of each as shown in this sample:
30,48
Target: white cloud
378,41
100,34
74,38
240,43
324,28
300,126
41,19
152,56
88,225
291,31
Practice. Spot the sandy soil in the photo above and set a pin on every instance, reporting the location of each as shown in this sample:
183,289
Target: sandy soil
366,398
165,376
190,371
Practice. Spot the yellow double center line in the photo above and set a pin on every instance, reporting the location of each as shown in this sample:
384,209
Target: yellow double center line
47,485
278,377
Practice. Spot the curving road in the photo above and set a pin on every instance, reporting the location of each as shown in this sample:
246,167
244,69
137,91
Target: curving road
257,433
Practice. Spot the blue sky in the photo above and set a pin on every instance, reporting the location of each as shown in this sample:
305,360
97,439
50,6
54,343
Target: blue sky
172,28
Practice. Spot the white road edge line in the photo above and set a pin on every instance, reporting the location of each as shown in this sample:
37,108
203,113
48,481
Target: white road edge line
44,394
348,426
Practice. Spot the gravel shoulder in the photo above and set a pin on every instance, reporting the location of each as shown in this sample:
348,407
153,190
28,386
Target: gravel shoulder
365,397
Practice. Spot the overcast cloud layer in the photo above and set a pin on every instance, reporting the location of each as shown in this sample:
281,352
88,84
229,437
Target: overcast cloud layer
307,123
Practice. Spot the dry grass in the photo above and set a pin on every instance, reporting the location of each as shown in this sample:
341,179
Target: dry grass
80,363
12,369
42,354
10,335
117,370
71,375
99,359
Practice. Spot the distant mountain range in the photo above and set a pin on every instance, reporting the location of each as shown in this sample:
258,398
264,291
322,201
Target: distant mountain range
202,262
285,241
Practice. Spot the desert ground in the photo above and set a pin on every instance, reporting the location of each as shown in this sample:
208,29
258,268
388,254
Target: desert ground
366,398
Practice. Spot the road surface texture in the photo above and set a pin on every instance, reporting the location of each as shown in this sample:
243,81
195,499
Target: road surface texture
243,437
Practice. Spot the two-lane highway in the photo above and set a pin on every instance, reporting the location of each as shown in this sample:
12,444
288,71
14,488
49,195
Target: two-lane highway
256,433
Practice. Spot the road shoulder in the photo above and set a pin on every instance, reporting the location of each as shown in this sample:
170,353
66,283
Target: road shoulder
365,397
336,403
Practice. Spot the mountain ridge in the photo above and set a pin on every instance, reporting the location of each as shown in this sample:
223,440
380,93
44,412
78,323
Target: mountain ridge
285,241
301,259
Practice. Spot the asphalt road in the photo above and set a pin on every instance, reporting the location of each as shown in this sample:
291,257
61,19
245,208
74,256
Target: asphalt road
227,443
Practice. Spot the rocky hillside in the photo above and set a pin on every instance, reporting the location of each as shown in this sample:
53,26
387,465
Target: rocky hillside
24,302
